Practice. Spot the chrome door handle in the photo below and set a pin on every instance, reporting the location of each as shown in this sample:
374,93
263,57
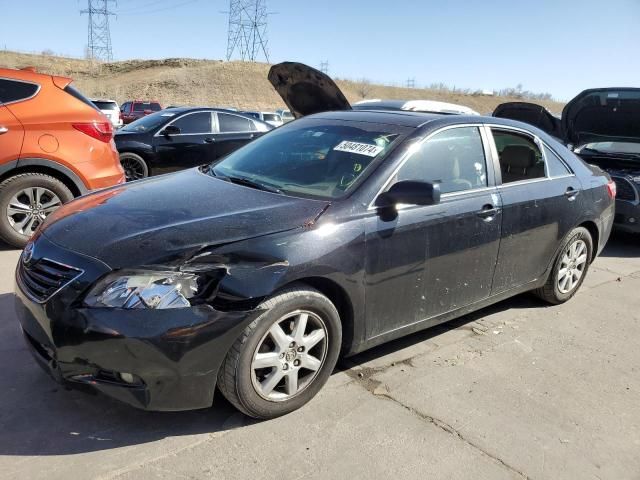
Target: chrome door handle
571,193
3,129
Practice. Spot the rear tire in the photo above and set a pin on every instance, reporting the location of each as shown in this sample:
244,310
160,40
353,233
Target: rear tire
569,268
25,201
135,167
266,377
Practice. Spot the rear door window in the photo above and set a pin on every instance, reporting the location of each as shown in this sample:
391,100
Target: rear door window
520,158
106,105
15,91
228,123
141,107
194,123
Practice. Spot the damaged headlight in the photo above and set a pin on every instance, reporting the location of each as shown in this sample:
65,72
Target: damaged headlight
145,289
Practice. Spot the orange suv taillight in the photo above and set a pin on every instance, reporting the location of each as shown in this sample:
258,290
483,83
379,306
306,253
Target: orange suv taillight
102,131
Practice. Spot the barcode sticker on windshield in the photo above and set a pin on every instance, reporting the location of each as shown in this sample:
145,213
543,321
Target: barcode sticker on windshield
359,148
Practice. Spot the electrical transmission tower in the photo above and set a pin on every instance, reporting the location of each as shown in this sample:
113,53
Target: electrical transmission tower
324,67
411,83
247,29
99,36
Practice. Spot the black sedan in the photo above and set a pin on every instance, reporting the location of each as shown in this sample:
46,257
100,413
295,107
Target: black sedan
325,237
184,137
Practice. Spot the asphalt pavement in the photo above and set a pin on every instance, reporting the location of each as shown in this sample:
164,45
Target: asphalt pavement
517,390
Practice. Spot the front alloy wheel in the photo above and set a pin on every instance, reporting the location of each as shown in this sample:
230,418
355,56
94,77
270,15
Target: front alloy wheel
289,355
284,356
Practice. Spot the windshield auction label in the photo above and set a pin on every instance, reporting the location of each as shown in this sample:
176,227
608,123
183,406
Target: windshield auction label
359,148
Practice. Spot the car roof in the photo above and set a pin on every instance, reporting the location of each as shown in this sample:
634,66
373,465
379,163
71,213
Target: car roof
419,119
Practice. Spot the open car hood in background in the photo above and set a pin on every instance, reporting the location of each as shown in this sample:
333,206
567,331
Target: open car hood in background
603,115
306,90
533,114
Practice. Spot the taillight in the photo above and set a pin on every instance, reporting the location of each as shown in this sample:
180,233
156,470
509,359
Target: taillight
612,189
102,131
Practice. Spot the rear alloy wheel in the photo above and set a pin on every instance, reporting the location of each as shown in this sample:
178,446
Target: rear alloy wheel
25,201
285,356
569,268
134,166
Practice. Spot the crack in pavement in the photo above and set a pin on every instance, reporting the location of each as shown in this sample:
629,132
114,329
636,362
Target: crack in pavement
372,386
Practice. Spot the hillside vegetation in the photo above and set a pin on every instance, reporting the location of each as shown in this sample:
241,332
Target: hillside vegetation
243,85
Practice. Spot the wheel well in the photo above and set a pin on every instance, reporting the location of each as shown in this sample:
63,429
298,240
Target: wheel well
595,236
340,299
52,172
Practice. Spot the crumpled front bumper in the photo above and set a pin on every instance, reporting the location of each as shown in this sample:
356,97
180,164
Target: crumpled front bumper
174,355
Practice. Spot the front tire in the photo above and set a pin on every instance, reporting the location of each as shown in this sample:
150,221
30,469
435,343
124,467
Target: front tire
569,268
25,201
285,356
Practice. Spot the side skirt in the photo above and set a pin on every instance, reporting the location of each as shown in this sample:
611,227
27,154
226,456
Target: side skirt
445,317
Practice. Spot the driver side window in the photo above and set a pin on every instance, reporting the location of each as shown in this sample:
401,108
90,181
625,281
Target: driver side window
453,158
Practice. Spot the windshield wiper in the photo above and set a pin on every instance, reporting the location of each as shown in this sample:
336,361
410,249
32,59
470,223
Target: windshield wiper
611,154
248,182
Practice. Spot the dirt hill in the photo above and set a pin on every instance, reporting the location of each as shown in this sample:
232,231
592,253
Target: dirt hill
243,85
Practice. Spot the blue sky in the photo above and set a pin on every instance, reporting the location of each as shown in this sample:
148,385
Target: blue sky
561,46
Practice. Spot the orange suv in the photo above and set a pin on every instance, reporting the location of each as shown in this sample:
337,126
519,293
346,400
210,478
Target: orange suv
54,145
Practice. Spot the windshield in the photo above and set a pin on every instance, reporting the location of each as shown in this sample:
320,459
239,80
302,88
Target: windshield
612,147
149,122
317,158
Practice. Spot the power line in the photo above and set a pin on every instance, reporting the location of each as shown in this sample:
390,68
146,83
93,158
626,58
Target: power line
247,33
98,34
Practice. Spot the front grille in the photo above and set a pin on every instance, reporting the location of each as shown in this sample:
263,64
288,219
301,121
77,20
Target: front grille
42,279
625,189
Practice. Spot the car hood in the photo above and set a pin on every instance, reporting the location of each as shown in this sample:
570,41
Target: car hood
530,113
603,115
172,216
306,90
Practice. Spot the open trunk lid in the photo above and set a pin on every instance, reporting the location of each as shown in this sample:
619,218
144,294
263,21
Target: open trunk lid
603,115
306,90
533,114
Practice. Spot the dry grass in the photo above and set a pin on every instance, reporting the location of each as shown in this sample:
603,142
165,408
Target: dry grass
181,81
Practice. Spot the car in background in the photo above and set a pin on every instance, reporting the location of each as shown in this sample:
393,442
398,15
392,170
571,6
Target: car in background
286,115
183,137
135,109
426,106
533,114
330,235
54,145
110,109
602,125
271,118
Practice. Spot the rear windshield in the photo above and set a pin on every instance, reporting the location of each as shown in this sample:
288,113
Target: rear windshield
106,105
310,158
75,93
271,117
142,106
150,122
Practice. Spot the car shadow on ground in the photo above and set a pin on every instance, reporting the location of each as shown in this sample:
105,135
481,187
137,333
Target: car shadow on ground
40,418
622,245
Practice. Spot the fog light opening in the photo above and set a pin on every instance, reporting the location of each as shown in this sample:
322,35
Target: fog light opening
632,220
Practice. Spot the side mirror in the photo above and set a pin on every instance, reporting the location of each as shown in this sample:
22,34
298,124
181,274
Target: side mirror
411,193
171,130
